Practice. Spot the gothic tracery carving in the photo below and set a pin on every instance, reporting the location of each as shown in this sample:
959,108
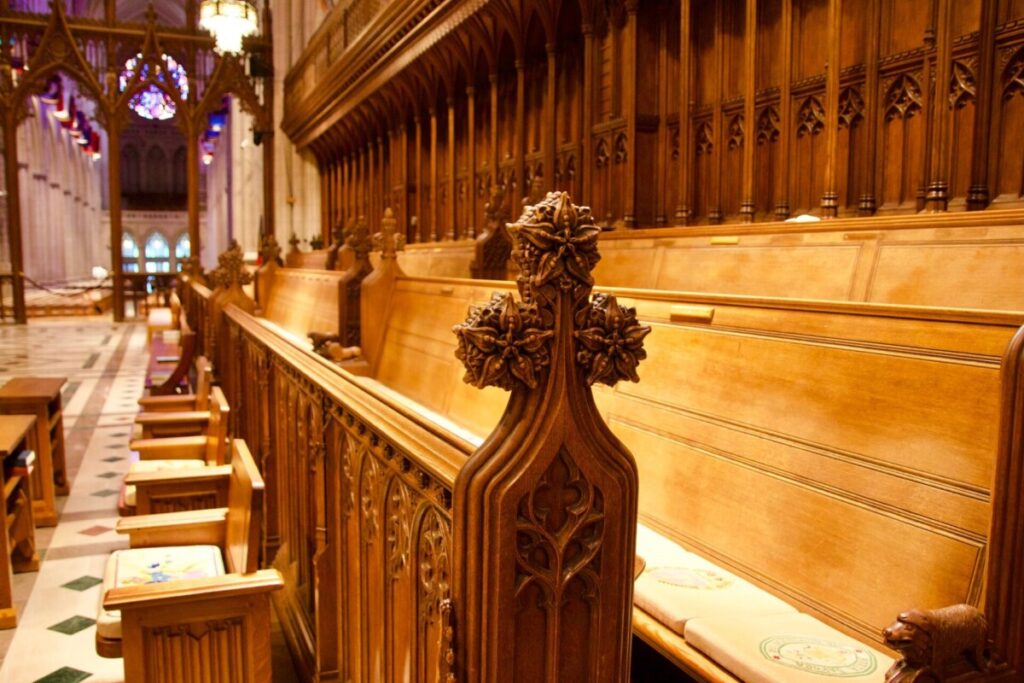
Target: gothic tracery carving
768,125
903,98
851,107
810,119
962,86
735,132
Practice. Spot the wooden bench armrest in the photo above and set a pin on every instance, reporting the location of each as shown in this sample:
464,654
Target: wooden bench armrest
192,527
192,590
674,647
158,419
162,477
171,448
175,402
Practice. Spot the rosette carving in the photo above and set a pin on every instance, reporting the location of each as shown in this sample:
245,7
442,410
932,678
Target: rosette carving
231,268
612,343
503,343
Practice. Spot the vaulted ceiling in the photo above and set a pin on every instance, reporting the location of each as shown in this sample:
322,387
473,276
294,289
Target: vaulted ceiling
168,12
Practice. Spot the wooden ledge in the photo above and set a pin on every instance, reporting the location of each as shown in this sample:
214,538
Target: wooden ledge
192,590
200,474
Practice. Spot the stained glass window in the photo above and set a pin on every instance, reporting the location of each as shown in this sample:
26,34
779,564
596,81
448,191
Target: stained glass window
182,250
151,102
158,254
129,254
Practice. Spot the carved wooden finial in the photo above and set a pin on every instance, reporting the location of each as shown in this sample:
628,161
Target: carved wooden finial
293,242
270,250
358,238
495,211
231,267
535,195
388,241
551,465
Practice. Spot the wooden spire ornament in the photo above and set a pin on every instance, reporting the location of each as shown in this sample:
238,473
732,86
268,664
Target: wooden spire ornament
545,510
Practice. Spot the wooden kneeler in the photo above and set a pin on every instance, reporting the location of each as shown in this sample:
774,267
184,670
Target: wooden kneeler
203,630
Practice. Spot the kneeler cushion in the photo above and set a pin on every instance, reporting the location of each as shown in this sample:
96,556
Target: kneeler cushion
791,648
156,466
139,566
677,586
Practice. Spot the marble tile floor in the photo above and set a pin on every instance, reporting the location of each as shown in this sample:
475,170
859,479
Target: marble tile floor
105,365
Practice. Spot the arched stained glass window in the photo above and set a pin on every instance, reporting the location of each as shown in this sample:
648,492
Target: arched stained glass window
158,254
129,254
151,102
182,250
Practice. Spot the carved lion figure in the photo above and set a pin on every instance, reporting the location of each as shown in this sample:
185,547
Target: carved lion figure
932,640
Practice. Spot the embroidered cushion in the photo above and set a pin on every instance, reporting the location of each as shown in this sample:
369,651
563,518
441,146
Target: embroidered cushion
677,585
139,566
790,648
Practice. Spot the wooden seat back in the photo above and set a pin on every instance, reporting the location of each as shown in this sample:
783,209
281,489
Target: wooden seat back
303,300
245,511
840,455
187,350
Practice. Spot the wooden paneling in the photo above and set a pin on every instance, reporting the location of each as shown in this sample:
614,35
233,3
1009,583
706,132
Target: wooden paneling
869,137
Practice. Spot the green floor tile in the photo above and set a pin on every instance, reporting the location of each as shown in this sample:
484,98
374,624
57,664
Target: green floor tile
65,674
83,583
71,626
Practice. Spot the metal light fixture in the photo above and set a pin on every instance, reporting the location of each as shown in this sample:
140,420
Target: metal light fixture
229,21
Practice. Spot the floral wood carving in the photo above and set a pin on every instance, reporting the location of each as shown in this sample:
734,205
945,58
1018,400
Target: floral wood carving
358,239
851,107
558,544
962,86
231,267
434,566
621,149
399,521
601,156
552,465
502,343
810,119
612,343
903,98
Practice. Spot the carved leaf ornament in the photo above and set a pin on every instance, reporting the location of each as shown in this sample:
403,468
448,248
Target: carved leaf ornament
505,342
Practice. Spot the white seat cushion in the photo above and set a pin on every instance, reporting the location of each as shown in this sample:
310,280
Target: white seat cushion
790,648
160,317
139,566
677,585
157,466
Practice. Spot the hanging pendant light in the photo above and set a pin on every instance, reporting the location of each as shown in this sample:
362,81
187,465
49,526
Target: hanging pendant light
229,21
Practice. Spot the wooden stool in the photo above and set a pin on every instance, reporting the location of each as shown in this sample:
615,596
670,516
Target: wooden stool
17,432
40,396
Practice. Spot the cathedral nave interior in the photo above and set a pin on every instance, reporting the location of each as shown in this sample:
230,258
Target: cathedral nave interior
494,341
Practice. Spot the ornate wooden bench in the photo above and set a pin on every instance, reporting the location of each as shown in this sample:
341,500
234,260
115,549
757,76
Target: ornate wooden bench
189,595
799,446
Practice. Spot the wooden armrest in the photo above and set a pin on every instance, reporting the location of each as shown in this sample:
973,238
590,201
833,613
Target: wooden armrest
192,590
176,402
191,527
171,418
171,448
183,476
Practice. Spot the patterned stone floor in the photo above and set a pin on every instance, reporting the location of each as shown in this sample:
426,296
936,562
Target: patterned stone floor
105,367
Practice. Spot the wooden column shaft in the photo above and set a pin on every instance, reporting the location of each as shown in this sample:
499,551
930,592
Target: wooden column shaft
937,198
629,96
418,122
471,166
453,208
830,199
519,146
434,206
785,112
979,194
584,170
14,217
749,123
550,125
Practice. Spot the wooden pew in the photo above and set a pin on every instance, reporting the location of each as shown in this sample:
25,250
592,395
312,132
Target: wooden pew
198,400
879,420
215,625
962,260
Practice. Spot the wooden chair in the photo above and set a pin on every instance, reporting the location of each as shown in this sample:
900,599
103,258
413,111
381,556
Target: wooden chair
170,363
178,454
162,319
186,601
181,414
